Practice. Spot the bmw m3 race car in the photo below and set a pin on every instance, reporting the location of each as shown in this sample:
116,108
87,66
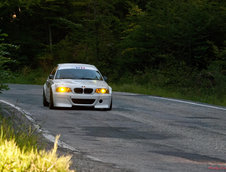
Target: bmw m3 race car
73,84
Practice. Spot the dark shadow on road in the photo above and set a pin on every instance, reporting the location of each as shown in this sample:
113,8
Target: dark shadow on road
124,133
191,156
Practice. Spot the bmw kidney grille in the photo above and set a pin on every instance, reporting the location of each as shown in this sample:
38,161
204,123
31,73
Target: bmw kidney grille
83,91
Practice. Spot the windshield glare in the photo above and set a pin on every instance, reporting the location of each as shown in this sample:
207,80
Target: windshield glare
78,74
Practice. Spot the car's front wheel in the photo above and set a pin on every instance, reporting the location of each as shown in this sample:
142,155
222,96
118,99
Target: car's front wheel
51,103
45,103
110,108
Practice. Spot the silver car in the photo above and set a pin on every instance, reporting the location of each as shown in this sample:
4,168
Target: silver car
73,84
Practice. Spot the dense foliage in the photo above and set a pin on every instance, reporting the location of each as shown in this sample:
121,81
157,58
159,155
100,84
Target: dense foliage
165,43
4,59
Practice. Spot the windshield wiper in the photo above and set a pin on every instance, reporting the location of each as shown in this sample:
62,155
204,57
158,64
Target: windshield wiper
87,78
66,78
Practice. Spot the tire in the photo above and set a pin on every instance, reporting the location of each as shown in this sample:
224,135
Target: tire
110,108
45,103
51,103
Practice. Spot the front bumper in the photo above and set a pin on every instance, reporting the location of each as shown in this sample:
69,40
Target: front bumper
93,100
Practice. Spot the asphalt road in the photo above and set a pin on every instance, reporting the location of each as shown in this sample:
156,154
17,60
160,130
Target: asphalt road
142,133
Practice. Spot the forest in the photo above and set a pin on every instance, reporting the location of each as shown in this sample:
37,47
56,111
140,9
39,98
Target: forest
172,48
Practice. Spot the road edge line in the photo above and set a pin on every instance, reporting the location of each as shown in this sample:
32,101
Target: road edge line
174,100
46,134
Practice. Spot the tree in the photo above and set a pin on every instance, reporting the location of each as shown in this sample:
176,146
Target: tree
172,33
4,59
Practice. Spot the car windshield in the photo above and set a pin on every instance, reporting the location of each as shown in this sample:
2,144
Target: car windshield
78,74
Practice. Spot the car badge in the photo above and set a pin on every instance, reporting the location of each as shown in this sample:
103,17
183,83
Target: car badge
83,87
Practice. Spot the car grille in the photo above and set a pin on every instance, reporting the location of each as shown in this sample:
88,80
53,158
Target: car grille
83,101
88,90
85,91
78,90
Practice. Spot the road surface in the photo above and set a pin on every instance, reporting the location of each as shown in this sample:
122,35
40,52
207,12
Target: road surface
142,133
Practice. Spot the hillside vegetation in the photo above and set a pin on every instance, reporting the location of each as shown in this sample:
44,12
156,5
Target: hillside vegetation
174,48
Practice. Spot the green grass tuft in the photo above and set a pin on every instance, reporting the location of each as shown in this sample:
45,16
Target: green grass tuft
18,152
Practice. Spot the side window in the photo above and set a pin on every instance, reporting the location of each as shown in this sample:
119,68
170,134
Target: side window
54,71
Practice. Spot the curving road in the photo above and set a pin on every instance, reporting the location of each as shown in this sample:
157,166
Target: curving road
142,133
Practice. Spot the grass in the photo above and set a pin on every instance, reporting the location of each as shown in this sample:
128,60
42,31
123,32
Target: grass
194,93
178,93
18,152
25,138
27,76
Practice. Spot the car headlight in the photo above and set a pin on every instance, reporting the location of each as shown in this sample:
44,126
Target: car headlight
102,91
63,89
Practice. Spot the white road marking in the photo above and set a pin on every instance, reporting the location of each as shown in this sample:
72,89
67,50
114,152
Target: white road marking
191,103
45,132
51,138
174,100
94,158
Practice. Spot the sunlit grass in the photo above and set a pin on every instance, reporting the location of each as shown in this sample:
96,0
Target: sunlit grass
19,153
26,140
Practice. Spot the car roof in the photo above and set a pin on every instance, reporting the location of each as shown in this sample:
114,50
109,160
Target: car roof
76,66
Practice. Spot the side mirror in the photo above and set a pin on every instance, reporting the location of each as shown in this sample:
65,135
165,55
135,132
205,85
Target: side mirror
51,76
105,78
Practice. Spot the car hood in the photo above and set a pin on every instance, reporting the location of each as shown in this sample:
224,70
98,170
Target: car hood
80,83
